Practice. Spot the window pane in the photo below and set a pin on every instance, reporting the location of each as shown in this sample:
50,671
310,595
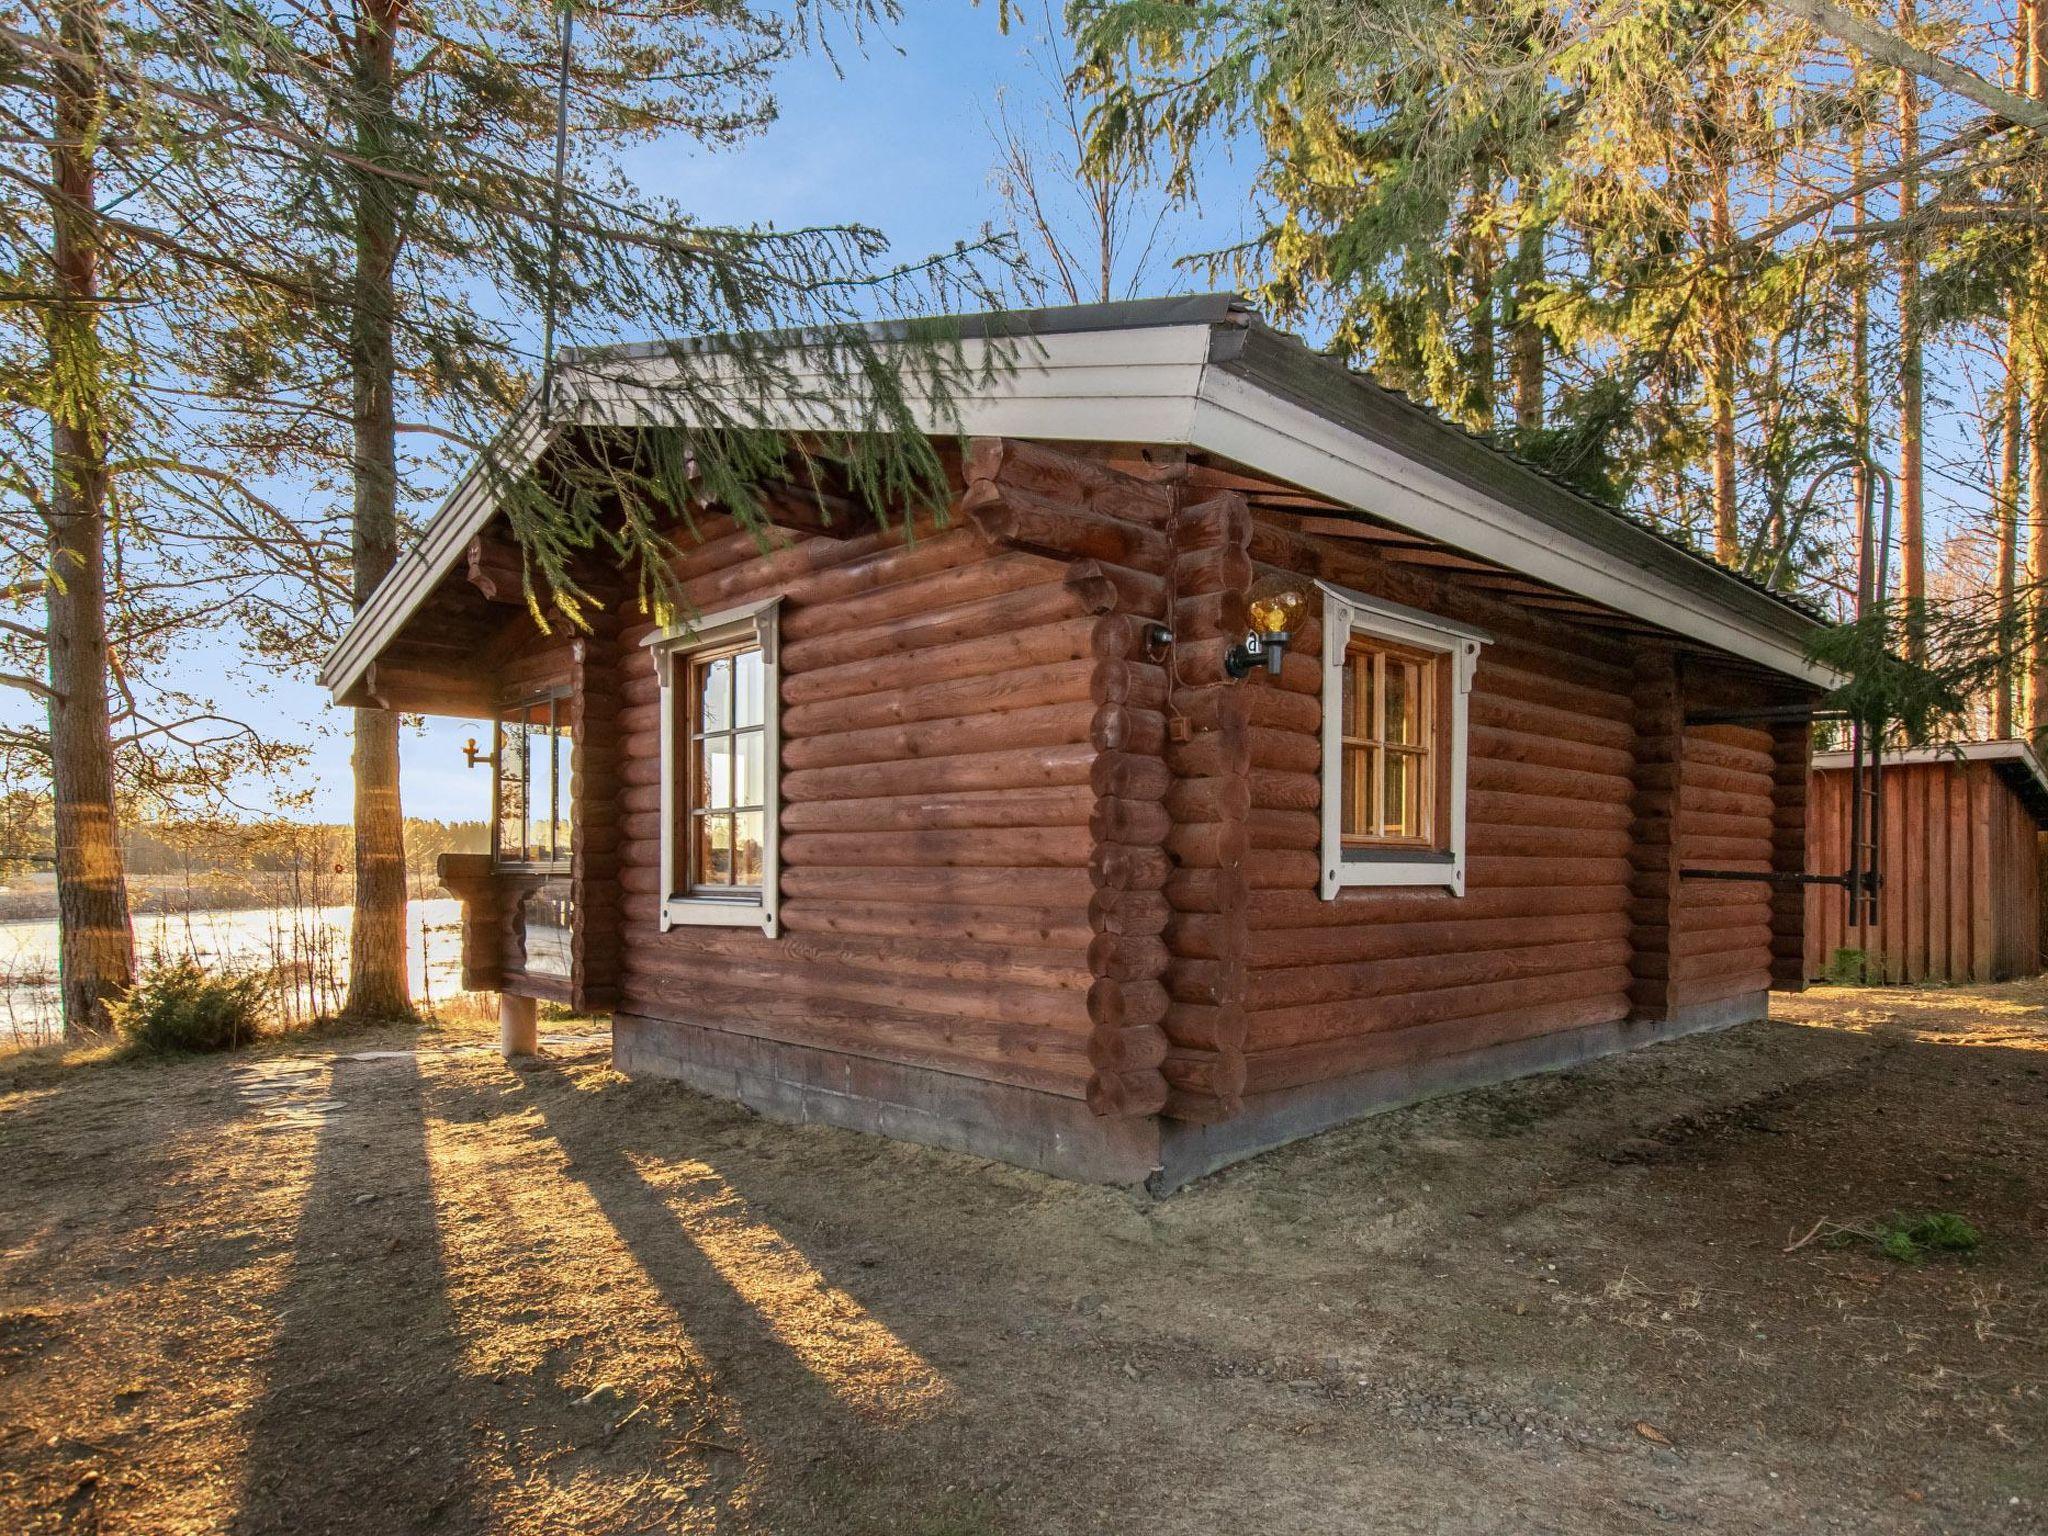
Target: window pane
714,709
540,765
544,929
747,848
751,784
748,680
564,784
1404,702
714,850
714,783
1353,809
511,789
1353,664
1403,805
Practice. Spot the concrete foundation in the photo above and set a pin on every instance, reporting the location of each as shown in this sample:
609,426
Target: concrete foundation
805,1085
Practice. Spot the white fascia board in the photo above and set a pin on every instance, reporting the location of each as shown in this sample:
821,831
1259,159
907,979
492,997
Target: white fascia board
1096,386
1239,420
1146,385
1106,386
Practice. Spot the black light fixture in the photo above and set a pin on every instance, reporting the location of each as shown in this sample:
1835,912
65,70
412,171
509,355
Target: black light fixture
1279,605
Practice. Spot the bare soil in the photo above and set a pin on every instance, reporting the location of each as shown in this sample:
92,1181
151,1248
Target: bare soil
392,1284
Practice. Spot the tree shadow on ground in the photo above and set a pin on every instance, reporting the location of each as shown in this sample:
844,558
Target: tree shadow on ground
365,1336
804,1396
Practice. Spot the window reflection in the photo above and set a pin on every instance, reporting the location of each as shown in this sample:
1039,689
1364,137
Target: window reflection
533,788
727,707
544,927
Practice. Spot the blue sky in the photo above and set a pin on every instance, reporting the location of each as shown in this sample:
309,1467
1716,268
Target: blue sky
897,139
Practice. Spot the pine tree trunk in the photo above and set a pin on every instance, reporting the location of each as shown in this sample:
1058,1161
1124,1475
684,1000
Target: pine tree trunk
95,944
2008,511
377,982
2035,603
1479,262
1859,406
1912,378
1721,379
1525,344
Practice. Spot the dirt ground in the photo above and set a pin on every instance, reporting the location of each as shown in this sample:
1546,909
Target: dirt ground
358,1286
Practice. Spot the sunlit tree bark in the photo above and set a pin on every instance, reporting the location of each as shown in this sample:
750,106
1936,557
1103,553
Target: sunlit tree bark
1912,370
377,961
96,947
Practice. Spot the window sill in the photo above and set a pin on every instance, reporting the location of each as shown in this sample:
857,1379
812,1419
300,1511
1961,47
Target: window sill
712,912
1363,867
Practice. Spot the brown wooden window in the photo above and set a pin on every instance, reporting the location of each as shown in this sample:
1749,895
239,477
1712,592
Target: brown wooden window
1394,779
727,769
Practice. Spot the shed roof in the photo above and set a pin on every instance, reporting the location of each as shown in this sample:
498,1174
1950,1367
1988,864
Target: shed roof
1206,373
2016,762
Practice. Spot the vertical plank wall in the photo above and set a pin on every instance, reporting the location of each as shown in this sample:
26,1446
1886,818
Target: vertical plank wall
1961,896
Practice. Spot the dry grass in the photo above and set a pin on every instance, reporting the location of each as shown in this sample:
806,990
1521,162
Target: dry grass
389,1284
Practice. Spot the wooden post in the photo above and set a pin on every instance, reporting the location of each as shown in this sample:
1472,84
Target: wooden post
518,1026
595,920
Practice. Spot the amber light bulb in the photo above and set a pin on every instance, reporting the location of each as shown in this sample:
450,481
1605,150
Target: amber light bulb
1279,604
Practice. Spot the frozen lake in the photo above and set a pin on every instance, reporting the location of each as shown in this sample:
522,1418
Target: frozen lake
307,947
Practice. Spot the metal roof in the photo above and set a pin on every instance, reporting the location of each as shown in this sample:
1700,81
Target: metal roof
2016,761
1201,371
1247,344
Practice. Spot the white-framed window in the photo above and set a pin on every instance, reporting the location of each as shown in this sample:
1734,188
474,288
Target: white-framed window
720,767
1396,686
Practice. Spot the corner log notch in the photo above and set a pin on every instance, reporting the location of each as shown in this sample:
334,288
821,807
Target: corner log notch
1109,527
1210,802
497,569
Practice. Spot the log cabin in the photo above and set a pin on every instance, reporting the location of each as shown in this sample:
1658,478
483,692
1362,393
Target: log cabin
1959,844
1017,831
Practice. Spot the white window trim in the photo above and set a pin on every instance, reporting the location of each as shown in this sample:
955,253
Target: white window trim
1347,613
760,622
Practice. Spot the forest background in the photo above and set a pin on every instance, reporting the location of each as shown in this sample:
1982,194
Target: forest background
1740,270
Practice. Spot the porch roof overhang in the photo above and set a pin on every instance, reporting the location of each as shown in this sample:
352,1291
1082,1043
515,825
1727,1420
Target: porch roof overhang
1201,373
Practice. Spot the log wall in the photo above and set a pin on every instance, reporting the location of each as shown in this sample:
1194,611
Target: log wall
971,793
1024,842
1961,894
1721,930
1539,942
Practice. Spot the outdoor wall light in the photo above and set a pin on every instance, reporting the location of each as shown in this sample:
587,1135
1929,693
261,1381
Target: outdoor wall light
1279,605
471,755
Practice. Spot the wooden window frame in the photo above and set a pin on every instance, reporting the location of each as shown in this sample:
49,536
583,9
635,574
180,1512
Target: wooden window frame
1434,668
1450,653
677,652
561,781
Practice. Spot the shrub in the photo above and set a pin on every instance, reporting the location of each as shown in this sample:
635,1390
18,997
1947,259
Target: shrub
1908,1238
182,1006
1848,968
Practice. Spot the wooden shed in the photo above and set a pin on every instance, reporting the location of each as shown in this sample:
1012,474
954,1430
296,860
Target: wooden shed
1959,856
967,829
